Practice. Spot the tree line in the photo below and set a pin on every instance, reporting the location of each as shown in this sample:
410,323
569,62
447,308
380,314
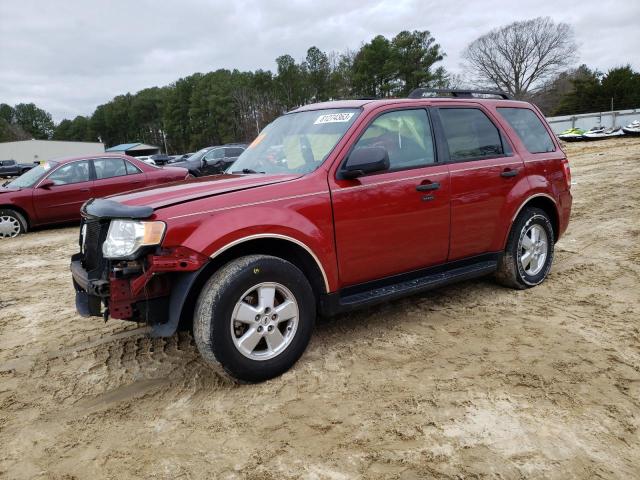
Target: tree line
231,105
530,60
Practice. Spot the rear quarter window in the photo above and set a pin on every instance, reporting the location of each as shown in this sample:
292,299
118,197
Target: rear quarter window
529,128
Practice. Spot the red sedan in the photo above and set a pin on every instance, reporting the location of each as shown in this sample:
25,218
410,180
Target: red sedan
54,191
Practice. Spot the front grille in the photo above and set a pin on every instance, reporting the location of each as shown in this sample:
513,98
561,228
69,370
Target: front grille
95,233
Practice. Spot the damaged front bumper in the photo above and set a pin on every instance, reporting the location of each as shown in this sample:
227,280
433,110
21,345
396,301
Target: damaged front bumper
152,291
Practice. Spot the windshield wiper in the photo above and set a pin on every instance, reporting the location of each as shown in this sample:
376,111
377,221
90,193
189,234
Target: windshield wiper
246,171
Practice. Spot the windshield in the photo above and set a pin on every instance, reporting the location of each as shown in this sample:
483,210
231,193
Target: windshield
31,177
296,143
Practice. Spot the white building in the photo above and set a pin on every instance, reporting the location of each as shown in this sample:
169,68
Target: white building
29,151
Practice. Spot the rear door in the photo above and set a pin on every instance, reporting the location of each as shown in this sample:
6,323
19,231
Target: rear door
61,201
397,220
116,175
484,169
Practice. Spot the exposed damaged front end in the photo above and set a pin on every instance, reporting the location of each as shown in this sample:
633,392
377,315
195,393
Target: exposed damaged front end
147,286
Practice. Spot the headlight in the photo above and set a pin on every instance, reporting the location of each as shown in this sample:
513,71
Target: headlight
126,237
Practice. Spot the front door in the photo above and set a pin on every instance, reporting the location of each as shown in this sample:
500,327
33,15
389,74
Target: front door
213,161
61,202
397,220
484,169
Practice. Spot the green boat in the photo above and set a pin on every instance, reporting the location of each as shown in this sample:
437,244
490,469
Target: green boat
572,135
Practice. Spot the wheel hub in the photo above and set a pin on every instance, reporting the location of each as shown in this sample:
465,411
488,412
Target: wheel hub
534,249
264,321
9,227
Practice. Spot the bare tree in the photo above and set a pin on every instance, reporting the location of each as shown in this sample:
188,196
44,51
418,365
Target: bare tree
520,57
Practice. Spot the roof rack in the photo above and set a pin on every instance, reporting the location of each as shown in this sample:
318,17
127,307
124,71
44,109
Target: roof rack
446,92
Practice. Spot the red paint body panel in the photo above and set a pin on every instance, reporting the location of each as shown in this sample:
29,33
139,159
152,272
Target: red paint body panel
61,203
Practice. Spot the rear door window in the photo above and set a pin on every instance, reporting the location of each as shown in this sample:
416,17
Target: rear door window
529,128
470,134
233,152
109,168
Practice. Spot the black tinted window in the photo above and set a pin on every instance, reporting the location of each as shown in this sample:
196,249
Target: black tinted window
131,168
470,134
74,172
233,152
109,167
406,134
529,128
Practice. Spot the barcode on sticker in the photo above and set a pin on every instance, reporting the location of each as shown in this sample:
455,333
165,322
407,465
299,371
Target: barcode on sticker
333,118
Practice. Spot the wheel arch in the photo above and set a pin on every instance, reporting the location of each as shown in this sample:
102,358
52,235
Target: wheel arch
546,203
275,245
20,210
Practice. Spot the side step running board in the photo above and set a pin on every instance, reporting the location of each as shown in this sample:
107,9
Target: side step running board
415,285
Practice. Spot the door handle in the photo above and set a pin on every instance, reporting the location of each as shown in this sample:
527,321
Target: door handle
425,187
84,189
507,172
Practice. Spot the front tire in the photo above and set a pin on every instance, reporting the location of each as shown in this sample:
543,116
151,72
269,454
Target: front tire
529,253
12,223
255,317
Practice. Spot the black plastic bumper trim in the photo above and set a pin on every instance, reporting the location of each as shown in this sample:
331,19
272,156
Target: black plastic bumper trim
107,209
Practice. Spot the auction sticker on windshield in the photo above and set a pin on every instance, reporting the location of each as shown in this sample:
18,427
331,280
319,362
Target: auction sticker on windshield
333,118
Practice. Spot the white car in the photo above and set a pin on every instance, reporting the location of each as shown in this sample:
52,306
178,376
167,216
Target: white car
146,159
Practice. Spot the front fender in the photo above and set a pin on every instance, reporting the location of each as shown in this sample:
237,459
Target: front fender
220,230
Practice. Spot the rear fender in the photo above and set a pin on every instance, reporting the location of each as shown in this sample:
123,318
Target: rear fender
514,198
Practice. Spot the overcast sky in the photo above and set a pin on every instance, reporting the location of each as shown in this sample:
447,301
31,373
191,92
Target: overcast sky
70,56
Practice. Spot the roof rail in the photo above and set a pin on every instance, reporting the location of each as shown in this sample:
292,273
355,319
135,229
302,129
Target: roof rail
446,92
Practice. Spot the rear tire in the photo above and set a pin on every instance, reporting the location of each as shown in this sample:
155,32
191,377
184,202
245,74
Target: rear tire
12,223
528,256
255,317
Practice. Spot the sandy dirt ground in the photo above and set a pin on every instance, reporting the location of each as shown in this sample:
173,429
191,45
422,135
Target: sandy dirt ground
470,381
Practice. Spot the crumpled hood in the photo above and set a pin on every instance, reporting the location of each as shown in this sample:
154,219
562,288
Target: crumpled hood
180,192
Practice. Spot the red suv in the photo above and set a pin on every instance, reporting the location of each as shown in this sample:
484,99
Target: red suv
334,206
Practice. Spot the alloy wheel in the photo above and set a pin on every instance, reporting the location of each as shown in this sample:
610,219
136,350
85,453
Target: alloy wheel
534,249
264,321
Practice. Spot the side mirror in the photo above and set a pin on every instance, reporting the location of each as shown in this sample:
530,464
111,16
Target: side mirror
47,184
365,160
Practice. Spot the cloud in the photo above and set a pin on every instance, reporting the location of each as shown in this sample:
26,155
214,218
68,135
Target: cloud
69,57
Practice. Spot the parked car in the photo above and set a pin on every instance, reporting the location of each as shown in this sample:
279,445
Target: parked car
146,159
211,160
180,158
334,206
11,168
161,158
54,191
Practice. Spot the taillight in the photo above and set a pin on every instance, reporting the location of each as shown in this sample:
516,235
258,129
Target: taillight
566,169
